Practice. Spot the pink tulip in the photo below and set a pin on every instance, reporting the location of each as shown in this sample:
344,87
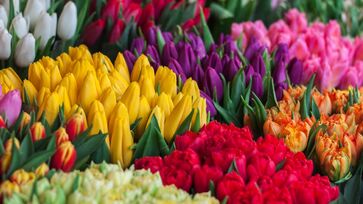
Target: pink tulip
350,78
10,106
299,49
296,20
276,29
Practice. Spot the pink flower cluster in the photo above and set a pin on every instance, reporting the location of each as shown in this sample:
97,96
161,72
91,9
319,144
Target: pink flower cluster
336,60
244,170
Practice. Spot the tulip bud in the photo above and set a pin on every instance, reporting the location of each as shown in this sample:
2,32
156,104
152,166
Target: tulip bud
213,83
295,68
70,83
42,170
89,91
97,117
231,68
3,15
166,80
200,107
215,62
187,58
64,99
121,67
20,26
271,128
130,60
5,159
45,28
169,53
147,89
16,5
5,44
2,122
10,106
61,136
108,99
137,45
25,51
191,87
177,116
257,85
76,125
67,23
153,55
102,62
165,103
131,99
37,131
259,65
51,107
121,141
177,69
141,62
43,93
24,121
22,177
118,110
96,28
33,10
30,90
160,117
65,157
117,30
144,112
210,106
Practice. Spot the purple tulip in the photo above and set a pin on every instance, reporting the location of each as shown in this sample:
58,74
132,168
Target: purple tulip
10,106
138,45
225,60
210,106
197,44
213,83
215,62
169,52
253,48
230,46
130,59
153,55
168,37
259,65
295,69
279,89
177,69
151,36
231,68
213,48
249,71
257,85
198,75
282,54
187,59
279,73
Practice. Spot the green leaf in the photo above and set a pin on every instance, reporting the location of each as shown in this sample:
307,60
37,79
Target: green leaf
15,159
134,125
225,200
212,188
76,183
310,147
26,148
11,13
220,12
280,165
90,145
37,159
101,154
353,186
306,100
82,137
233,167
207,36
271,95
227,116
315,110
185,125
196,125
160,39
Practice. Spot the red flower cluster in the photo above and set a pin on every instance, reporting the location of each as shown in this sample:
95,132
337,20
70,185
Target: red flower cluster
146,16
241,169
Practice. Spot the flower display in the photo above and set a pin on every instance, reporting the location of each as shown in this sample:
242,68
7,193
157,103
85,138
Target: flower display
239,168
321,48
113,185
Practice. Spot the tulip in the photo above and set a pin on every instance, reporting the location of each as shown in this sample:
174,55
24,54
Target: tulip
51,107
20,26
165,103
22,177
144,112
231,68
119,85
117,30
200,107
5,44
191,87
121,141
166,80
102,62
257,85
147,89
37,131
130,60
131,99
65,157
153,55
210,106
121,66
111,10
282,54
181,110
271,128
67,23
140,63
295,69
169,53
96,28
97,117
187,58
89,91
25,51
54,76
30,91
160,117
108,99
25,120
10,106
177,69
70,83
6,157
198,75
76,125
213,84
3,16
45,28
197,44
9,79
137,45
42,170
44,92
259,65
296,135
33,10
215,62
6,4
61,136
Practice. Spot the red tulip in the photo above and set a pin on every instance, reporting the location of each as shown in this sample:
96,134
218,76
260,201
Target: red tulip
204,175
93,32
111,10
117,31
65,157
152,163
76,125
229,184
61,136
37,131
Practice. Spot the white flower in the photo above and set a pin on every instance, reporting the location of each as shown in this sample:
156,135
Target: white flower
5,44
6,4
33,10
20,25
3,15
2,25
45,28
25,51
67,23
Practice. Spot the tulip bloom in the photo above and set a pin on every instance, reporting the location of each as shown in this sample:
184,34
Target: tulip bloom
3,15
65,157
61,136
76,125
33,10
5,44
10,106
45,28
96,28
20,26
25,51
37,131
67,23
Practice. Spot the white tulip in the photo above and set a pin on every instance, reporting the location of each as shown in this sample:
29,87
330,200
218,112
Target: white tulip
2,25
45,28
46,4
3,15
25,51
6,4
5,44
67,23
33,10
20,25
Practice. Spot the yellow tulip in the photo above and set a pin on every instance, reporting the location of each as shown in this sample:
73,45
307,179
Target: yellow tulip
101,61
10,74
62,92
47,62
97,118
131,99
160,116
43,93
165,103
108,99
105,82
50,107
121,67
121,142
6,83
144,112
80,52
191,87
119,85
177,116
118,111
80,70
64,62
200,107
70,83
147,89
89,91
30,90
165,80
38,76
141,62
177,98
76,109
55,77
